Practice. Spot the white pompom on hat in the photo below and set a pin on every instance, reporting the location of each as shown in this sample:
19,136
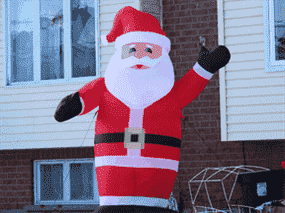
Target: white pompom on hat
132,26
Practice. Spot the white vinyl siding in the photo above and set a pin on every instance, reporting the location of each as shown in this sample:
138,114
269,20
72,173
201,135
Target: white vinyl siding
26,112
1,49
253,100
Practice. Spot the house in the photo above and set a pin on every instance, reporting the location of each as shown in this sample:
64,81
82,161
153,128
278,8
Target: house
251,92
239,116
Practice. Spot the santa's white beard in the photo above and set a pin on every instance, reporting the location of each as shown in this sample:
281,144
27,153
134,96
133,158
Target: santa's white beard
139,88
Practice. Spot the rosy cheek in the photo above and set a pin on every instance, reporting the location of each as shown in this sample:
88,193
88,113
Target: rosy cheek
155,55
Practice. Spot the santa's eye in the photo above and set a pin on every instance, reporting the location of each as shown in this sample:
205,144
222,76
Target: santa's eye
132,50
148,50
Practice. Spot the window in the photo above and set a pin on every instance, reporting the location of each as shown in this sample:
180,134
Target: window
50,41
58,182
274,35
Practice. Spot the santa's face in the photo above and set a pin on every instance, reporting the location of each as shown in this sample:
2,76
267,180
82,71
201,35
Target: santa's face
140,74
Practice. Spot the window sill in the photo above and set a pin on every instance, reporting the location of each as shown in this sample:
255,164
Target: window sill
61,208
51,83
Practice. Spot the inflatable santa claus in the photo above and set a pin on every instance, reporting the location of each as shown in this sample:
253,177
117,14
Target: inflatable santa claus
138,128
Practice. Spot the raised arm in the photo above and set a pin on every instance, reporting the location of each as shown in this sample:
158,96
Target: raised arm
195,80
69,107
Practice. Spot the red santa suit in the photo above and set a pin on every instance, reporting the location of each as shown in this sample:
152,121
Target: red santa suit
139,176
143,176
138,127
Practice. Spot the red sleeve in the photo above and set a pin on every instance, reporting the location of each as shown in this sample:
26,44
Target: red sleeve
90,95
191,85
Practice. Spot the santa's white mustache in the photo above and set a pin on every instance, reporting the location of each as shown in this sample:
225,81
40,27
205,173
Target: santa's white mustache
146,61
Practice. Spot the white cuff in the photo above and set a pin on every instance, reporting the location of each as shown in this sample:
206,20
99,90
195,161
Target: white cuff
202,72
82,102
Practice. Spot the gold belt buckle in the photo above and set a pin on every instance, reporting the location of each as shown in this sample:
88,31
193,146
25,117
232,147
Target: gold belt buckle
134,138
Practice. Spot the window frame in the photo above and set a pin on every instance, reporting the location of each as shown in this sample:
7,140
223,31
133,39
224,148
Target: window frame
271,65
66,182
67,49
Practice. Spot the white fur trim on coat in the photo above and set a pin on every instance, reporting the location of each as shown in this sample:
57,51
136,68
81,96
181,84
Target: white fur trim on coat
143,37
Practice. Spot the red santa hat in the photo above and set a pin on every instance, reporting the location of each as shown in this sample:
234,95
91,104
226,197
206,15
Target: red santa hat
131,26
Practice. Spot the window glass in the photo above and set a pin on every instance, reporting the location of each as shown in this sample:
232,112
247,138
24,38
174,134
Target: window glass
66,182
83,38
279,22
50,40
21,34
81,181
51,37
51,182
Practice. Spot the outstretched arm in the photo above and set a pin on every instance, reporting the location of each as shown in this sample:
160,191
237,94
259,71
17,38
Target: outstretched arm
195,80
81,102
69,107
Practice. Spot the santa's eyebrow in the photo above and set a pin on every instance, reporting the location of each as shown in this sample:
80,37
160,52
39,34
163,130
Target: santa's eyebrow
133,45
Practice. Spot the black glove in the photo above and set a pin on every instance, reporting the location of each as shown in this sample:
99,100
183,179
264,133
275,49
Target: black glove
69,107
214,60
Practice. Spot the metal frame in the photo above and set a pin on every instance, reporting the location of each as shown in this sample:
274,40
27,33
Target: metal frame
236,170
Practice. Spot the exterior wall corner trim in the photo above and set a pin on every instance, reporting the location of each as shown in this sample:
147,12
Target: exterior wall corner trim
222,73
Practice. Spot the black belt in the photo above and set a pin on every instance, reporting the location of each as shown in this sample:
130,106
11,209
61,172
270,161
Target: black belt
149,138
